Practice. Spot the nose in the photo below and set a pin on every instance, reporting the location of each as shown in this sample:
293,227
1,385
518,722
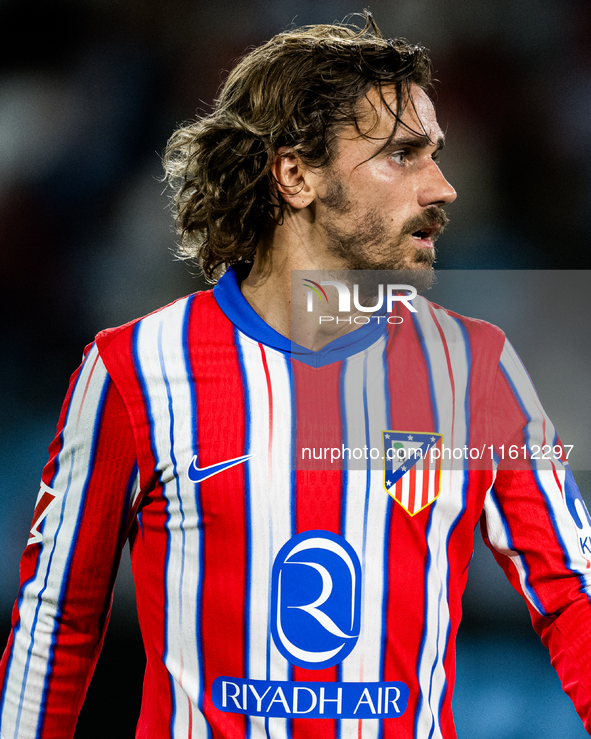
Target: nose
435,189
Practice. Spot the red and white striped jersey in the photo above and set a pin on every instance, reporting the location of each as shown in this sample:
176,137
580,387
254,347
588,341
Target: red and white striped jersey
284,590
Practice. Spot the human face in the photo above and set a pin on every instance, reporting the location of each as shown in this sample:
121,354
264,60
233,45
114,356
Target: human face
381,208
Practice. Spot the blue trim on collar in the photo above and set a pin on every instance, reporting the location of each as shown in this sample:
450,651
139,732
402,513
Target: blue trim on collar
235,306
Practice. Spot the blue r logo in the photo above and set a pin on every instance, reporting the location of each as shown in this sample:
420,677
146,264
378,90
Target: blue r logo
316,599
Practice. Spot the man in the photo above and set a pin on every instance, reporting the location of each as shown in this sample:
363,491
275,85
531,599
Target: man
278,594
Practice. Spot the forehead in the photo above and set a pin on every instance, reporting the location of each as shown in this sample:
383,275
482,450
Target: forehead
376,114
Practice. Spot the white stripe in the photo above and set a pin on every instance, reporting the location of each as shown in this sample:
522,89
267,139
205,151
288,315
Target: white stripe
432,678
364,662
458,357
182,574
540,431
498,538
355,492
269,509
497,534
539,428
526,392
571,535
405,491
432,472
418,496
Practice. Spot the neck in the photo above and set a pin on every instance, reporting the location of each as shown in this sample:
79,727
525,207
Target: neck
268,287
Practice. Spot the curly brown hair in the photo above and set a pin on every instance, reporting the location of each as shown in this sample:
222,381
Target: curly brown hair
295,91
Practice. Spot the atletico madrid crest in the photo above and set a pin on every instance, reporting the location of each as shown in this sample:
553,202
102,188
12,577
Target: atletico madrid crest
412,468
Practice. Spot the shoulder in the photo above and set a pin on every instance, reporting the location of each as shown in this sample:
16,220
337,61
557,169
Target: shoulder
476,326
478,336
169,318
132,351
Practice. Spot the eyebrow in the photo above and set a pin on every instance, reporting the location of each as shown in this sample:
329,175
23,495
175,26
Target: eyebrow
416,142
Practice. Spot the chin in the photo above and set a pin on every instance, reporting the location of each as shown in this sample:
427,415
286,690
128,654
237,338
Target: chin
421,277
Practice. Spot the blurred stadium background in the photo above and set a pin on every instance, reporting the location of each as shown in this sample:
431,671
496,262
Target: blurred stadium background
90,90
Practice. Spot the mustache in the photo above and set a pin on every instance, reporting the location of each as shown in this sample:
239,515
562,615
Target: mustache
433,216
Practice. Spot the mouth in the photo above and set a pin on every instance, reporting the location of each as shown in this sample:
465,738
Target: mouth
425,237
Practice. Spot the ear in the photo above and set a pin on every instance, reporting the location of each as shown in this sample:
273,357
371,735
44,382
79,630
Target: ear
292,178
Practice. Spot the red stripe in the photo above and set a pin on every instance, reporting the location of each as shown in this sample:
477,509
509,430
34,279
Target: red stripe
55,447
526,514
398,490
190,732
8,650
86,388
86,598
318,494
484,380
410,400
412,489
426,477
148,557
221,434
437,476
449,370
404,607
149,545
410,410
270,400
319,425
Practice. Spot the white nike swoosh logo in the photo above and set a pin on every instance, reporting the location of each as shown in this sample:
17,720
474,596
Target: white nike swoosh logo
199,474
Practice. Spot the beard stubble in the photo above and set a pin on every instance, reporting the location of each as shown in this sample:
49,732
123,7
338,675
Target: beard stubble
369,245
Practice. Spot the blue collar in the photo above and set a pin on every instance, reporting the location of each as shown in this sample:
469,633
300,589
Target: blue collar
235,306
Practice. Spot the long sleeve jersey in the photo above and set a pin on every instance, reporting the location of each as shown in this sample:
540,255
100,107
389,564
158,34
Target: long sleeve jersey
300,525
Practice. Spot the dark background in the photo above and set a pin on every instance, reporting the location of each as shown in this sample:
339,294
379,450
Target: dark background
90,90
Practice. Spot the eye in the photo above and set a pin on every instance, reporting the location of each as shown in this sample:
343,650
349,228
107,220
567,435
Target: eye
399,156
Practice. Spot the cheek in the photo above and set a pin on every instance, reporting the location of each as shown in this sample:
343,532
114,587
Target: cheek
393,188
395,206
386,173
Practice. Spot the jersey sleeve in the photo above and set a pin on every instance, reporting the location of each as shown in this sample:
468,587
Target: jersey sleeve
539,530
84,509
